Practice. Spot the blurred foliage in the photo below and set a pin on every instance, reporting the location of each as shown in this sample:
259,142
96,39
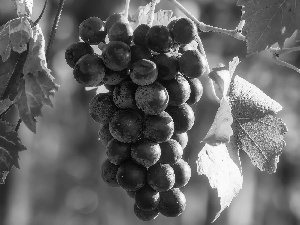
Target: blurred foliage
59,180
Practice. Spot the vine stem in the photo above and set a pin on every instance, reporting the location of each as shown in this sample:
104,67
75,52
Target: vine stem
127,8
18,125
3,113
54,28
151,12
41,15
236,33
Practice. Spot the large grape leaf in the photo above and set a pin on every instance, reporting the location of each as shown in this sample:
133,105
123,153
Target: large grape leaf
269,22
38,83
4,105
256,129
10,146
15,35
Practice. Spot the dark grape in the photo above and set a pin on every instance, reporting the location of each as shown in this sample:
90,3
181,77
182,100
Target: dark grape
146,198
123,95
171,152
131,176
116,55
112,19
110,88
182,172
159,39
91,31
152,98
159,127
118,152
104,133
131,194
140,34
121,31
167,65
183,117
109,172
172,202
126,125
145,215
196,90
145,152
143,72
171,24
161,177
192,63
184,30
178,89
139,52
75,51
115,77
182,139
89,70
102,107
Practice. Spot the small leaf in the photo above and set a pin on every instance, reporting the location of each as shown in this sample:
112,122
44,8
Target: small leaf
256,129
269,22
222,172
23,7
163,17
10,146
220,131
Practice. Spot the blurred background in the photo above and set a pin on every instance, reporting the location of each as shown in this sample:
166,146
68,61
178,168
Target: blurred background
59,182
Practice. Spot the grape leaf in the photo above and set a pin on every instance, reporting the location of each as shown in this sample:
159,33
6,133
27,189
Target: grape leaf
256,129
220,131
15,36
4,105
23,7
10,146
269,22
222,172
38,83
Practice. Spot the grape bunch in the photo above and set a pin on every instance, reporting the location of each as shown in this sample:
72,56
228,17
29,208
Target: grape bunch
151,74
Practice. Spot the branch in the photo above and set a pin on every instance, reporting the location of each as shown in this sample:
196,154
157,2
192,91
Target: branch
278,52
151,12
54,27
126,9
18,125
41,15
236,33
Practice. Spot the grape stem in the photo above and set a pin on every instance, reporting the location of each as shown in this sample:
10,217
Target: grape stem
41,15
236,33
126,11
151,12
54,28
18,125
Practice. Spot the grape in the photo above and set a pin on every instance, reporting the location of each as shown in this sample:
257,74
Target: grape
112,19
109,172
196,90
118,152
159,127
131,176
192,63
171,24
182,172
90,31
110,88
171,152
182,139
123,95
104,133
140,33
167,65
145,215
75,51
152,98
145,152
172,202
89,70
126,125
116,55
178,89
139,52
121,31
143,72
146,198
159,39
102,107
183,117
115,77
161,177
184,30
